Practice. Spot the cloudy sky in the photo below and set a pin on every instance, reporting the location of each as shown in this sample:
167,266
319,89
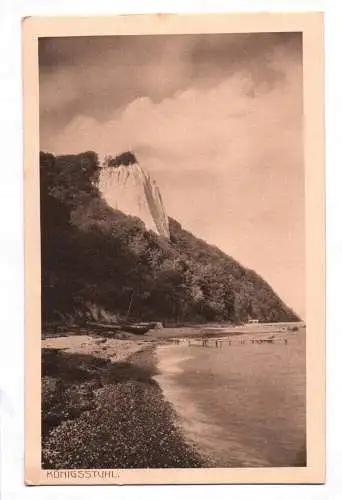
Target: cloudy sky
215,119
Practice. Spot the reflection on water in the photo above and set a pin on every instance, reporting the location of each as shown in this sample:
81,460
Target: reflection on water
240,399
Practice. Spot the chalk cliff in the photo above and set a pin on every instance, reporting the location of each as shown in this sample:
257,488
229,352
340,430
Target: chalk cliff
127,186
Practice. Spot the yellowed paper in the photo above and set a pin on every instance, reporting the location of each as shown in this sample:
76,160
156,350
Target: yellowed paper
63,115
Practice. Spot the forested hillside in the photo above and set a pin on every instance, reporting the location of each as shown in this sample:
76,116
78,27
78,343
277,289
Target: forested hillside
93,255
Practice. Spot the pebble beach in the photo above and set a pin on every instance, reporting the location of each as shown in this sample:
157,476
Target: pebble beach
106,411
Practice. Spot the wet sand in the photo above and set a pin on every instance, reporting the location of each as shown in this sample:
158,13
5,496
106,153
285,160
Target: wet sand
112,349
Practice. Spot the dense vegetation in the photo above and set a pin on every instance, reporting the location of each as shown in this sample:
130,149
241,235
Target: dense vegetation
94,255
126,158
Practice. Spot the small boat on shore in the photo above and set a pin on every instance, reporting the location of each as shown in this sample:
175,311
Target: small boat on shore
129,327
138,329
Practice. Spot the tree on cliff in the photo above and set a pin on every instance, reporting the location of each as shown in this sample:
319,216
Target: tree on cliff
92,253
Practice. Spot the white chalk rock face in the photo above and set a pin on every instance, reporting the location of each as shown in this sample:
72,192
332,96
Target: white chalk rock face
126,186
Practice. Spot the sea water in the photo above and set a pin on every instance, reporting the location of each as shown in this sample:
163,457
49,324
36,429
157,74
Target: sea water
241,399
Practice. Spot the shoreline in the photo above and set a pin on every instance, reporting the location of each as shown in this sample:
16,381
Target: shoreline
103,408
100,413
184,382
167,333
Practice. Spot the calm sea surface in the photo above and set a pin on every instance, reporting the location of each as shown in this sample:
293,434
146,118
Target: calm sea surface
240,399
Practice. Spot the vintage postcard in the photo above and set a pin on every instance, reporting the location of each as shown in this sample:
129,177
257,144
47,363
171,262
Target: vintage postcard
174,244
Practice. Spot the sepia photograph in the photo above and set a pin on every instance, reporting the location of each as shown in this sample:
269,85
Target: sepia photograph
171,192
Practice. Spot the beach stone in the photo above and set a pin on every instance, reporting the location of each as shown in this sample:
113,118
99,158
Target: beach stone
128,424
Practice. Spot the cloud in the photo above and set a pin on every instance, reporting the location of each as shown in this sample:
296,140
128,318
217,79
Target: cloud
224,124
228,155
96,76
